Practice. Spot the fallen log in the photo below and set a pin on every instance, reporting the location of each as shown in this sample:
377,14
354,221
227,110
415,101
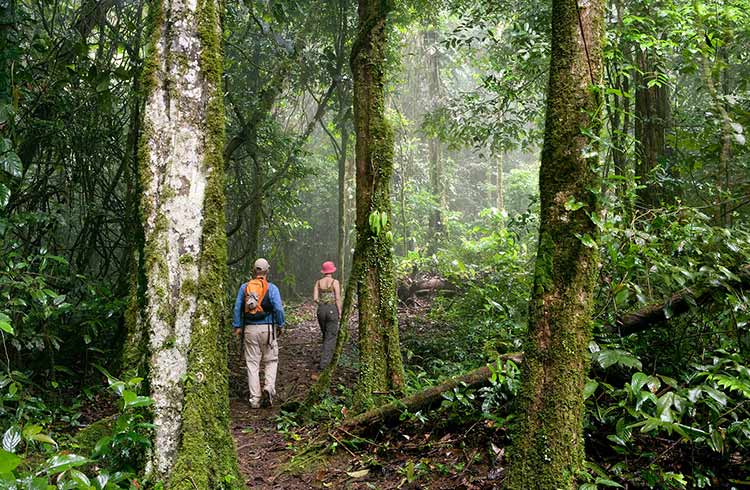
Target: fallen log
425,399
410,288
679,303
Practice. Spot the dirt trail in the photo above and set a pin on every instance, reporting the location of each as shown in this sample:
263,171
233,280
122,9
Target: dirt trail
263,452
260,448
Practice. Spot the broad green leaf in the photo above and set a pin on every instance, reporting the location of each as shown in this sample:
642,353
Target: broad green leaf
4,195
642,397
588,241
10,163
715,394
79,478
663,407
62,462
573,205
8,461
101,445
132,400
637,381
5,324
608,483
610,357
622,296
590,388
694,394
31,430
103,85
39,484
43,438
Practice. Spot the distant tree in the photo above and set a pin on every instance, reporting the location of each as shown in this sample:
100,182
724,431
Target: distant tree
548,450
182,206
381,366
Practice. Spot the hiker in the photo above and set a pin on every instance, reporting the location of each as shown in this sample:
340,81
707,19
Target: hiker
327,294
257,313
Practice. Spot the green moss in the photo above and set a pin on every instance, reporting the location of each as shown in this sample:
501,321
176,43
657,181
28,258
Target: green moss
186,259
547,448
87,437
543,267
136,345
167,194
169,342
207,457
381,366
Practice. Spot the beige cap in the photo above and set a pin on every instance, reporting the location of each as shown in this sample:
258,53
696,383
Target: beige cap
261,264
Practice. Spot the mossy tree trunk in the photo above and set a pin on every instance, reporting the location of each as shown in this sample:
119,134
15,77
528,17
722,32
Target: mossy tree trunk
381,367
547,451
182,206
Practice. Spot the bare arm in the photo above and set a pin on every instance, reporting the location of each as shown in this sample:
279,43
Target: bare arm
337,293
315,292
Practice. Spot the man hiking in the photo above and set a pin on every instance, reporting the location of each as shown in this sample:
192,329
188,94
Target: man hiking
257,311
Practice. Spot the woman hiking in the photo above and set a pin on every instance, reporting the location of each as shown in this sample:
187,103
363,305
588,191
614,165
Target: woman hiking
327,294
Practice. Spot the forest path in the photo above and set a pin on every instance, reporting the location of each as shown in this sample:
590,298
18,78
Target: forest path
261,449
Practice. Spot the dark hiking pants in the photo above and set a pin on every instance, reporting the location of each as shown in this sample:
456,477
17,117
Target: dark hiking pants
328,319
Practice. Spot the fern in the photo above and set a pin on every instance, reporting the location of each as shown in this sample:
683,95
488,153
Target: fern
731,383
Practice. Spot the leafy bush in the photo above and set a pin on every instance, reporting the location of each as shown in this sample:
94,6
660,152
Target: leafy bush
32,459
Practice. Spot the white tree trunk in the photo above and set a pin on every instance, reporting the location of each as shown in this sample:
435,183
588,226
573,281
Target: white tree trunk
177,161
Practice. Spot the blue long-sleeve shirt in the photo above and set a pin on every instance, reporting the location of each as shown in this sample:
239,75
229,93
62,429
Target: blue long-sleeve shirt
273,295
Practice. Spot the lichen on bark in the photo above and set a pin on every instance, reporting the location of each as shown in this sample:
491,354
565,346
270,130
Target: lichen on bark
547,450
182,175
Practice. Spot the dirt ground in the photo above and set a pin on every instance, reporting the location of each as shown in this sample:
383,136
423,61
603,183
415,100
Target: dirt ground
406,458
261,449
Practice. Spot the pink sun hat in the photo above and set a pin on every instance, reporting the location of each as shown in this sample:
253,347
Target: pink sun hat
328,267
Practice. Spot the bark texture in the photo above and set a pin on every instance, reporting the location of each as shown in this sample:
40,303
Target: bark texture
652,115
381,367
182,177
435,150
547,449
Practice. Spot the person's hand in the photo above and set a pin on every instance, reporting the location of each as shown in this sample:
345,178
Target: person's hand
238,332
280,331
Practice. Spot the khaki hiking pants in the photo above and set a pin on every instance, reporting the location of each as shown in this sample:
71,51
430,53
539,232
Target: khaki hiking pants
260,343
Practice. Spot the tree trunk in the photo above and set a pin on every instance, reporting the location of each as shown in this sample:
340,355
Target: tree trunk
547,451
343,96
182,176
722,175
342,224
436,165
381,366
651,116
500,192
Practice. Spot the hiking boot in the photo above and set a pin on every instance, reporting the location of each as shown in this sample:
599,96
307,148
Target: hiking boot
254,404
267,400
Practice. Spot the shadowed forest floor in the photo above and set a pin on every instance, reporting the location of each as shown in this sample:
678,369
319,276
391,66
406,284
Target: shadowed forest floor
324,457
